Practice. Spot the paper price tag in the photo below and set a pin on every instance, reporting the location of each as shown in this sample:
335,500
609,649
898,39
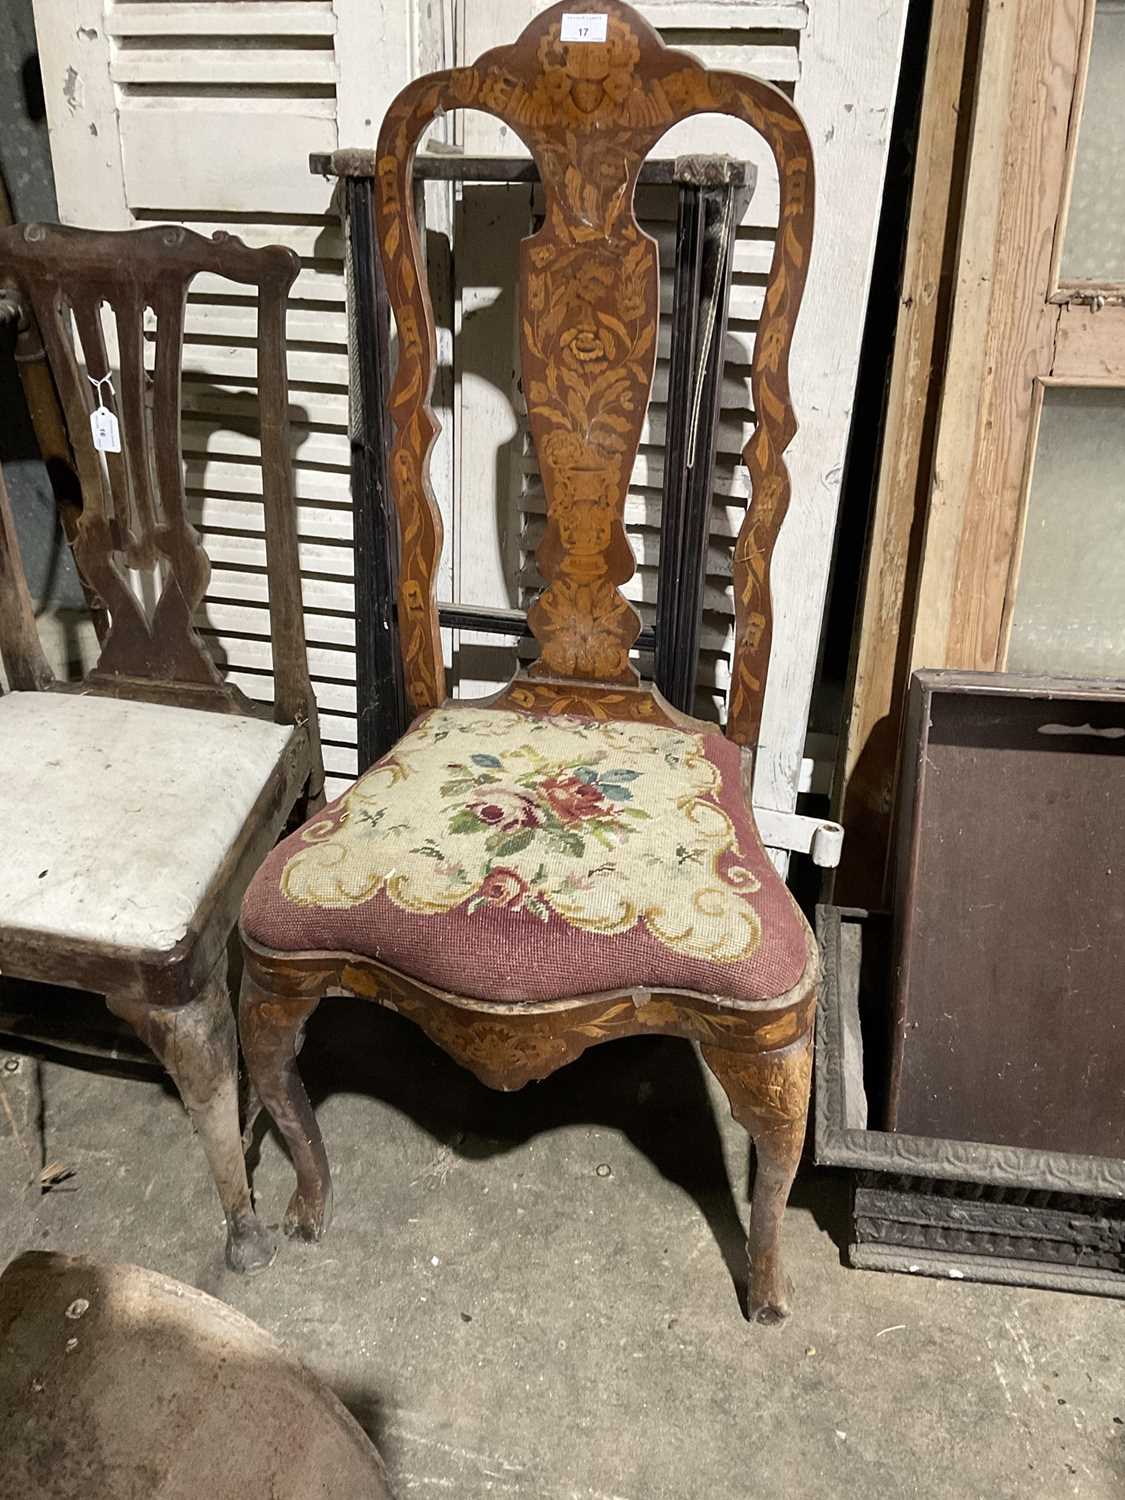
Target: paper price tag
576,28
106,431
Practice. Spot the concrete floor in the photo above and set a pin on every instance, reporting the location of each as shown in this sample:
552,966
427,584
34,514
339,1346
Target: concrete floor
533,1295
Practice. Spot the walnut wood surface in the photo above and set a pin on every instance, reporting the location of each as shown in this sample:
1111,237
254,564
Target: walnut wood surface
634,702
508,1045
769,1097
198,1044
760,1052
589,306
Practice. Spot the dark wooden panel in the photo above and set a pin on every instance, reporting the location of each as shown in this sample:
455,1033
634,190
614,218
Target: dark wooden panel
1010,914
357,162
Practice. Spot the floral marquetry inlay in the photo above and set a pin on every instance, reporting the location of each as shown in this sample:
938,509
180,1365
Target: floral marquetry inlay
589,112
588,349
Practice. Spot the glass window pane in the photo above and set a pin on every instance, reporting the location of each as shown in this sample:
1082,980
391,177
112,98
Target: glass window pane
1094,242
1069,614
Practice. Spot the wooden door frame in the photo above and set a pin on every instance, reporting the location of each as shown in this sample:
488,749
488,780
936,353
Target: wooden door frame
1014,330
1036,331
879,673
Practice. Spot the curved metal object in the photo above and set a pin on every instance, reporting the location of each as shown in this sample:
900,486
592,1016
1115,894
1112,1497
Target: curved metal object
121,1383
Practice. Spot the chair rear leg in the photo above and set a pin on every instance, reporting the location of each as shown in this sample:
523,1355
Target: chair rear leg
250,1108
769,1096
198,1044
272,1028
251,1105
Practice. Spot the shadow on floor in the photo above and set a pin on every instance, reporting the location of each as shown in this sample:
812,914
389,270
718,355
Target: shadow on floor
650,1089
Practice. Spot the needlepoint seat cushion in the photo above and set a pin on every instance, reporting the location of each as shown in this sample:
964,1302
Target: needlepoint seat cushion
512,856
115,815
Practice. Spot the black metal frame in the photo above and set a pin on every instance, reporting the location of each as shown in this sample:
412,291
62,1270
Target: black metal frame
380,692
713,194
711,205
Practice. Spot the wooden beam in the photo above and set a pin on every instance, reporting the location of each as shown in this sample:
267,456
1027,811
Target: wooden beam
21,654
1090,345
866,770
1004,327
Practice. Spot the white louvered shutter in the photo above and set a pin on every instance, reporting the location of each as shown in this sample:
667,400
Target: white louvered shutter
203,113
840,63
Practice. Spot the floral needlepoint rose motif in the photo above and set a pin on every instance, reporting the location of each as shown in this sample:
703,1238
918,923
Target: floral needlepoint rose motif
503,888
527,818
573,799
503,809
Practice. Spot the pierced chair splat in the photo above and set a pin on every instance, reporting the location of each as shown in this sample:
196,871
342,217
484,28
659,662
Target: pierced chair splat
573,860
138,801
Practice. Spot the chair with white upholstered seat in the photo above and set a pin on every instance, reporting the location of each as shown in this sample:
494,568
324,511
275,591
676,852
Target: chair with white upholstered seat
137,803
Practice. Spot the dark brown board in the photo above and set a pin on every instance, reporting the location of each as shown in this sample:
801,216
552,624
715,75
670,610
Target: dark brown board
1010,914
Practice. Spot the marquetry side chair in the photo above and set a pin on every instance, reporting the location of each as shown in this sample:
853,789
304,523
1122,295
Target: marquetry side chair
137,803
572,860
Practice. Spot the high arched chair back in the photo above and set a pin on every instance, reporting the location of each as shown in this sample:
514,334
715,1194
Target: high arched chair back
589,108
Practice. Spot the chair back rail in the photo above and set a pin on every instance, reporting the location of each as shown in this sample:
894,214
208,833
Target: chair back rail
134,506
589,113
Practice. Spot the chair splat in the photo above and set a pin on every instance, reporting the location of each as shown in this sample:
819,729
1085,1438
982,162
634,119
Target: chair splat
589,112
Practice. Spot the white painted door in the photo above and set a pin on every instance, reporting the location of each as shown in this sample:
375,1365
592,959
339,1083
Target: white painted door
204,112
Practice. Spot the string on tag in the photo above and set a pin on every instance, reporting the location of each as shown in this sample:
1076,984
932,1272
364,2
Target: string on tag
103,424
97,381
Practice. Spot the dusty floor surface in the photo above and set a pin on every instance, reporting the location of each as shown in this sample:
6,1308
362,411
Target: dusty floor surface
534,1295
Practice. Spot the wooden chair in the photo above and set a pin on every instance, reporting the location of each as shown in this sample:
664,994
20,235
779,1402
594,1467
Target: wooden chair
572,860
137,803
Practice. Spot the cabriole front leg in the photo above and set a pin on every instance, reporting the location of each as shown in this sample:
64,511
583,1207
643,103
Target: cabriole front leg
271,1027
198,1044
769,1097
